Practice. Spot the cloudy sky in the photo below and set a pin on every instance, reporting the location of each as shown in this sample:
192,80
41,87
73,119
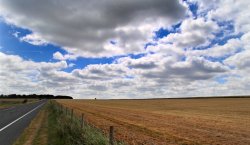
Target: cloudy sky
125,48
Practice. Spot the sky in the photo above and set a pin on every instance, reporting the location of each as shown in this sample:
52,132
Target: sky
125,49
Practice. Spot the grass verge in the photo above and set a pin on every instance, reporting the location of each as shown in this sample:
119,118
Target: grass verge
36,132
52,126
64,130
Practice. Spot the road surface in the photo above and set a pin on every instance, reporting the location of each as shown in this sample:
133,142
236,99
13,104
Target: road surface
15,119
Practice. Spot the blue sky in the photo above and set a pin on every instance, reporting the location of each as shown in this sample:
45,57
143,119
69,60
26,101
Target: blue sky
11,45
148,50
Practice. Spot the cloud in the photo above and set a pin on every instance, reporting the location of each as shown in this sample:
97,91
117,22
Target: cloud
98,87
240,60
142,63
194,33
34,39
59,56
102,72
20,76
176,65
161,68
87,27
228,49
169,77
194,68
238,12
16,34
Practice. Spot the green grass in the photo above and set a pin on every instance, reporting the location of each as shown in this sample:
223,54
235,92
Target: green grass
5,104
64,130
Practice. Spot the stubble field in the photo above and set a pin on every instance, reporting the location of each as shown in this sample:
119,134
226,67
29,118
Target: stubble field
170,121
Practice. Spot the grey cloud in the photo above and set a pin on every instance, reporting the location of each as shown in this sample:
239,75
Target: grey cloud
125,10
98,87
105,72
145,62
87,76
85,27
147,65
97,72
123,83
199,65
191,69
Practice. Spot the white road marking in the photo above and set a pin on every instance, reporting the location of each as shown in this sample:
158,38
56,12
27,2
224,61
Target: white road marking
20,117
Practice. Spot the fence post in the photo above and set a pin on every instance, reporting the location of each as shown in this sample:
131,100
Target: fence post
111,135
82,120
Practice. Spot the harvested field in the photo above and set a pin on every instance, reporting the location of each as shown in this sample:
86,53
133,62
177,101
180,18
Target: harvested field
170,121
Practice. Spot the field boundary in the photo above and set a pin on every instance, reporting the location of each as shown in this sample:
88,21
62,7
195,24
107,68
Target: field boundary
82,123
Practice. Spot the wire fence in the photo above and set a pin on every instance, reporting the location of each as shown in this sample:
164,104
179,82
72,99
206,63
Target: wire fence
83,122
116,132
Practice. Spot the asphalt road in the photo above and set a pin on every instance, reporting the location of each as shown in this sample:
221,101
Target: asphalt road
14,120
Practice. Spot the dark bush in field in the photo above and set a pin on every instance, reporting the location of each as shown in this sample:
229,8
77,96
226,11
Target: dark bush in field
25,101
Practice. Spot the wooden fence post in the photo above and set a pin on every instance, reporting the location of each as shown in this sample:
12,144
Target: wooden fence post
111,135
82,120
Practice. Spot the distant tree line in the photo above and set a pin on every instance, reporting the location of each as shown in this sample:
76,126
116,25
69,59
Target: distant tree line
35,96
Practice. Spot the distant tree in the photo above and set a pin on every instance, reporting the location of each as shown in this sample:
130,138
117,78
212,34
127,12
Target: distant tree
35,96
63,97
13,96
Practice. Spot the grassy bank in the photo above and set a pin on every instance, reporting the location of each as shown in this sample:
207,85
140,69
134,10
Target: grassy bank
64,130
36,132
